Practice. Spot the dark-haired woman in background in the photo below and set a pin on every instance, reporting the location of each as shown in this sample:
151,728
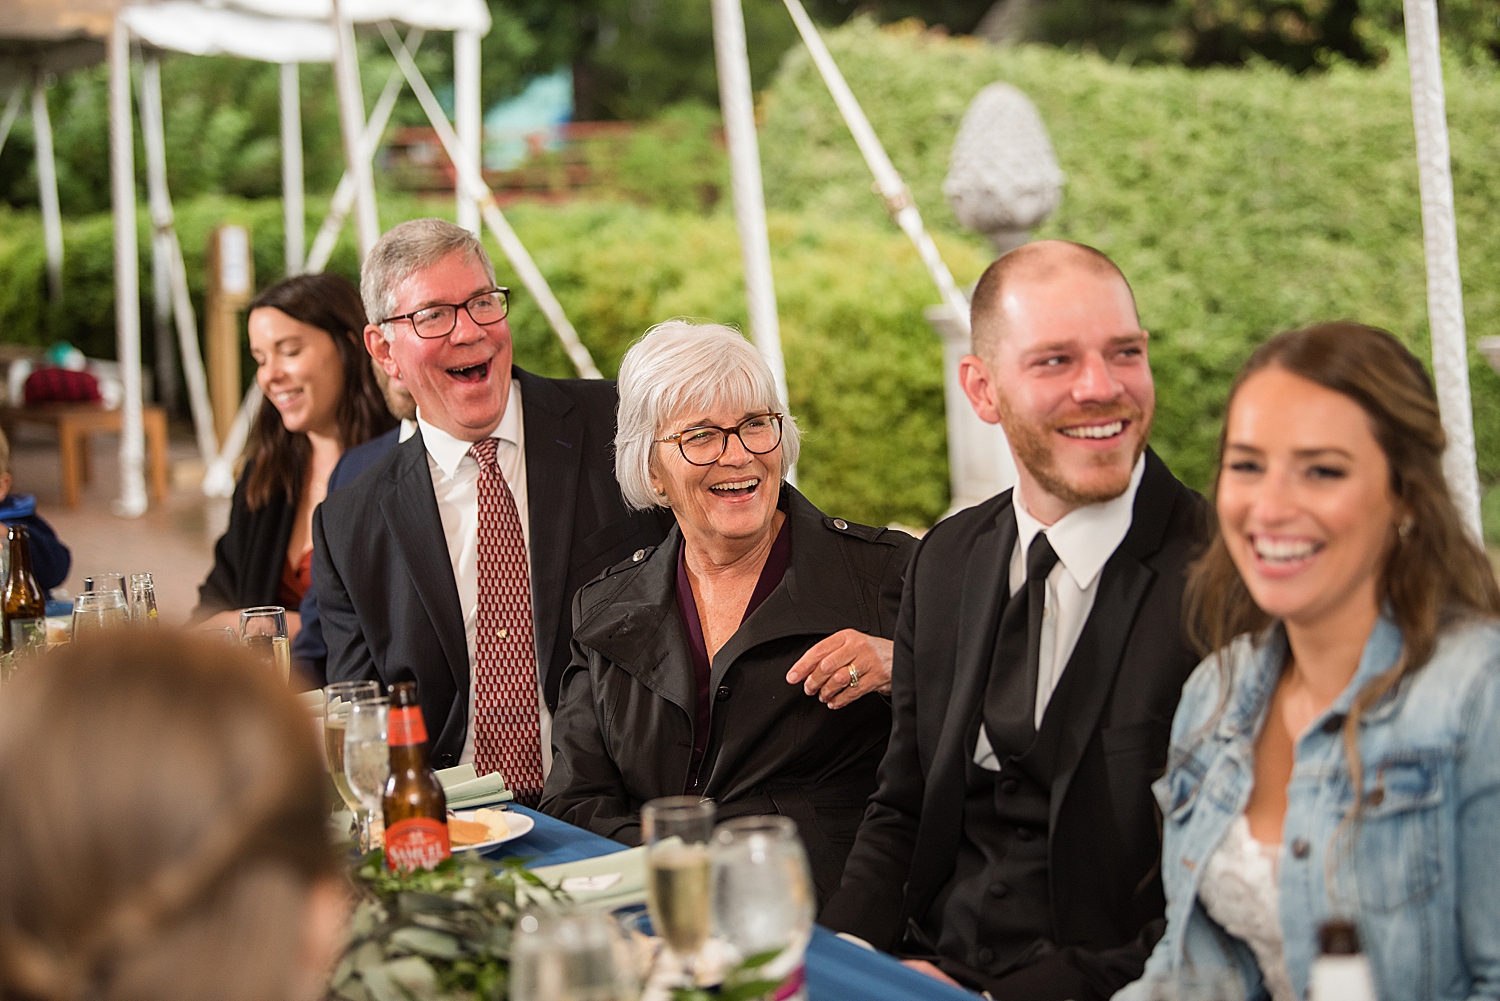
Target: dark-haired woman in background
1339,754
320,398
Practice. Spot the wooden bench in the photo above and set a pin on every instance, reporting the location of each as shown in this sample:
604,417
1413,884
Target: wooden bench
75,422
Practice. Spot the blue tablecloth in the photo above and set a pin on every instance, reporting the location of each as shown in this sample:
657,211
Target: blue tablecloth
836,970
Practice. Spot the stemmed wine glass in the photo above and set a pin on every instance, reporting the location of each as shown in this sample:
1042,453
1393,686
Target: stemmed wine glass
763,898
263,631
367,764
676,832
582,956
341,695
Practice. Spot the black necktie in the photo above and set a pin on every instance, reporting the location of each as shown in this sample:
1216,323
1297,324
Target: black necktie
1010,696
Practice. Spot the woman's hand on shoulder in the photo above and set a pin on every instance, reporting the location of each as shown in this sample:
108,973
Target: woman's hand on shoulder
824,670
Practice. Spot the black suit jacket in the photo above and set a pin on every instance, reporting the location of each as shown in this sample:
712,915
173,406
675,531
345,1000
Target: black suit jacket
1105,895
386,592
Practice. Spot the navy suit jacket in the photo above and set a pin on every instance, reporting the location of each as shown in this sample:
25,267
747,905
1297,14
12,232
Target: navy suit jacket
386,593
309,651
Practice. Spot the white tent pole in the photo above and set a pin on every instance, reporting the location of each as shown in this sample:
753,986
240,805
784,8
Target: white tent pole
167,251
1445,303
473,183
352,122
132,502
898,199
12,109
738,104
160,207
467,118
218,481
343,195
294,215
46,176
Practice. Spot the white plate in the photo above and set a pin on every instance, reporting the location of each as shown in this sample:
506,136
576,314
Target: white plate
519,824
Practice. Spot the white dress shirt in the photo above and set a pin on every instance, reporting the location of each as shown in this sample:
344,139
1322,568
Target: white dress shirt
1084,540
455,482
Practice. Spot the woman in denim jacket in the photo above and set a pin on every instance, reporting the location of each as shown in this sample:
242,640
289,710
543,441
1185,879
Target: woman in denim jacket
1355,624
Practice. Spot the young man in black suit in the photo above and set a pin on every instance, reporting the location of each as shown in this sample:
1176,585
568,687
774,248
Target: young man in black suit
1012,843
454,559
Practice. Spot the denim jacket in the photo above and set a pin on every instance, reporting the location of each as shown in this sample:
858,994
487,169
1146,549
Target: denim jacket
1419,871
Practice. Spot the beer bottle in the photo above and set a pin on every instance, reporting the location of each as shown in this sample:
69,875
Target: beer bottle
25,608
416,811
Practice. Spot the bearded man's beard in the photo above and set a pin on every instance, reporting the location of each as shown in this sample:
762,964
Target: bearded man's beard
1034,444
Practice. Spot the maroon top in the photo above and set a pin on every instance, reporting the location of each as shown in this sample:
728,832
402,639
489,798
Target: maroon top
687,608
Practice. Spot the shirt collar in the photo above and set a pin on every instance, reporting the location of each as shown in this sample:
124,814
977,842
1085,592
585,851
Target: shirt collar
448,451
1084,539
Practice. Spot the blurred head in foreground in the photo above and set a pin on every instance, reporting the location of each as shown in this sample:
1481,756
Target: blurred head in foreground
164,826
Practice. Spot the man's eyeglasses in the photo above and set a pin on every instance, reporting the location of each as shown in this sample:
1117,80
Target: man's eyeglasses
705,445
439,319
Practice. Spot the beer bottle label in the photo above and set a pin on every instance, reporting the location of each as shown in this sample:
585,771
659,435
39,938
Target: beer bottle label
416,843
406,727
28,636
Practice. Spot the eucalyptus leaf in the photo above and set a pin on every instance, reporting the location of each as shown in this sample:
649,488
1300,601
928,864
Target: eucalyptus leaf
427,942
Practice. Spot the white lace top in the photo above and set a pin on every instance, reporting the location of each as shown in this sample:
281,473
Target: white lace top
1239,891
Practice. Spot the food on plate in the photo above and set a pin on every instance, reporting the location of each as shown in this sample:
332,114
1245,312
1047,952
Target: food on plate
487,825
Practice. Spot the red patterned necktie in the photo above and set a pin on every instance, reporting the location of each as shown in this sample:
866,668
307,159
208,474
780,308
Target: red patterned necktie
507,730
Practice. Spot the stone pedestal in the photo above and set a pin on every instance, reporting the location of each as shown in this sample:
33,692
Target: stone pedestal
979,460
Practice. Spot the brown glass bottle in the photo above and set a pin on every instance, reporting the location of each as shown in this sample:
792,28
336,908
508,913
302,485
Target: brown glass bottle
25,608
416,810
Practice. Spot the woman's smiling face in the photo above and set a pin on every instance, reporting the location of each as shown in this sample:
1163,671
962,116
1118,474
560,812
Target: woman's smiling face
299,369
1304,499
733,498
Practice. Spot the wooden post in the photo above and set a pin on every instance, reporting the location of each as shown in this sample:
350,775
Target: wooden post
230,279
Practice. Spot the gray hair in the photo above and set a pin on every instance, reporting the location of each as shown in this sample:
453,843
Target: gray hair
402,252
680,365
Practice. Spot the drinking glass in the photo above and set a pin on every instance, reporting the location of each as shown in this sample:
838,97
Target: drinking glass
367,764
263,631
341,696
580,956
676,831
94,611
104,582
763,898
1198,985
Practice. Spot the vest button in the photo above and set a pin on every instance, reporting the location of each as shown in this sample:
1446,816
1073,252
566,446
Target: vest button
722,695
1334,723
1009,786
1301,848
1025,834
998,889
986,955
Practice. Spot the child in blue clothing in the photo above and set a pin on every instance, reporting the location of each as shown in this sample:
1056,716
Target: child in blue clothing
50,559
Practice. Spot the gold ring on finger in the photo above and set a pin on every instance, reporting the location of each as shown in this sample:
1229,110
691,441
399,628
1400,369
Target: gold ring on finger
853,675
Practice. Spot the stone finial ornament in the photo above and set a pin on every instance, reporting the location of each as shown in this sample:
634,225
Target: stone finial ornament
1003,178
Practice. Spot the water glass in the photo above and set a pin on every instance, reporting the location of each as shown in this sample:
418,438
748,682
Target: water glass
263,632
580,956
104,582
763,898
95,611
367,764
676,832
341,695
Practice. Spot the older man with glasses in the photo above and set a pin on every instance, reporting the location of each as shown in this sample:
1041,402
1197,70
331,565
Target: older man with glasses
451,560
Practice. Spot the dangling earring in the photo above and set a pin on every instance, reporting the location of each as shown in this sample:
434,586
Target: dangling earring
1404,529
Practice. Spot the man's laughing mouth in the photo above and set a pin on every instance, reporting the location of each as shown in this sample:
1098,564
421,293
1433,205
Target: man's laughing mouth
471,373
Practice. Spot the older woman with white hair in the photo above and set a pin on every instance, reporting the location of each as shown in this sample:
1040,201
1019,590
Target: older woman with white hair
679,679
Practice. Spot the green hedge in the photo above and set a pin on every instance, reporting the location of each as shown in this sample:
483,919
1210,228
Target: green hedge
863,367
1238,202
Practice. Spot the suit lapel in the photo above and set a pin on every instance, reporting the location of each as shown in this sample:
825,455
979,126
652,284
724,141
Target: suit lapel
986,589
554,450
411,513
1096,658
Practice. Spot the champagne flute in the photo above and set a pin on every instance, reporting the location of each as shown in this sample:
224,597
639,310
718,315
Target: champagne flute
263,631
367,763
676,832
341,696
95,611
763,898
581,956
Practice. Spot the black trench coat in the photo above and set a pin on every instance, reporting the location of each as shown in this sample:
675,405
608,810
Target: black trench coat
623,730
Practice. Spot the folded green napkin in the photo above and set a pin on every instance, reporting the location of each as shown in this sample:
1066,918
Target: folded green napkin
466,789
605,881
